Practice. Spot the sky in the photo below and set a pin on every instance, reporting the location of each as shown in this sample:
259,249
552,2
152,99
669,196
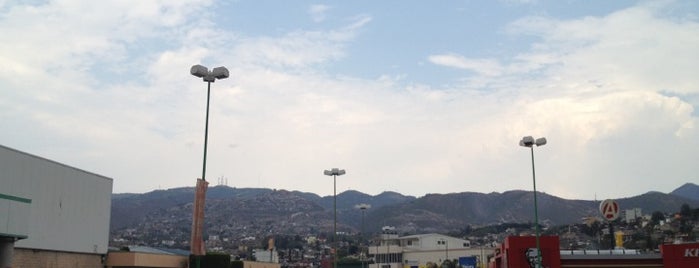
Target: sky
416,97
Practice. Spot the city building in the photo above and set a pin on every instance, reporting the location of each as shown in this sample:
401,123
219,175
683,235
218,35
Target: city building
53,215
392,251
263,255
630,215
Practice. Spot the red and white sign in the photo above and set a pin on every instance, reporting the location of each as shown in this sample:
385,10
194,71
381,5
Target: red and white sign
609,209
680,255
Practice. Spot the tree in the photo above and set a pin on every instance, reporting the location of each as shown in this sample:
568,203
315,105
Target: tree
431,265
685,211
685,221
656,217
449,264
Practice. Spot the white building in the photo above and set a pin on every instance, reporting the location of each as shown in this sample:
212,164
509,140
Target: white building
416,251
630,215
56,215
262,255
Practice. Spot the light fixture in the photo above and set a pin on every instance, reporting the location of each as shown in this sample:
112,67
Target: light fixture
334,172
529,142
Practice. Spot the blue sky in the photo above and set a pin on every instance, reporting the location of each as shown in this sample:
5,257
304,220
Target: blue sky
407,96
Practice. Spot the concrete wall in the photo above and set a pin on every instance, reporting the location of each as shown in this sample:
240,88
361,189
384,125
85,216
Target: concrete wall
27,258
136,259
254,264
69,209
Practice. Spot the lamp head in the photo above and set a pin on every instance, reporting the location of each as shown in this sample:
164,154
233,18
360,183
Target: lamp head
362,206
527,141
334,172
209,76
199,71
220,72
540,141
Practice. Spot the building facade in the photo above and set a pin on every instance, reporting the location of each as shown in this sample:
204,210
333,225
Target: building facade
417,251
57,215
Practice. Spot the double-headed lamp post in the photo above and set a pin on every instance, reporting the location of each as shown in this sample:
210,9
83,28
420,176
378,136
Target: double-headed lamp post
196,243
334,172
209,77
528,141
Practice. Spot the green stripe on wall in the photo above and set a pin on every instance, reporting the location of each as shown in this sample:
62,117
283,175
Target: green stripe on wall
15,198
14,235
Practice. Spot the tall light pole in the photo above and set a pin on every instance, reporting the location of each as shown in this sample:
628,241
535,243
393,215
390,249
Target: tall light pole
334,172
196,243
208,77
528,141
362,207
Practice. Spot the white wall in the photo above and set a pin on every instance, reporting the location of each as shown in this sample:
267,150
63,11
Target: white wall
69,209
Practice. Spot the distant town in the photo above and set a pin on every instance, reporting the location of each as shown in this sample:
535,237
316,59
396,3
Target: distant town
242,222
60,216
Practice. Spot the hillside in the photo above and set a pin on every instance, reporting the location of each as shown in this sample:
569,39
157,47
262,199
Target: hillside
242,212
688,190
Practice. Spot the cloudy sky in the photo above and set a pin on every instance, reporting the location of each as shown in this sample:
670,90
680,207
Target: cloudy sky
416,97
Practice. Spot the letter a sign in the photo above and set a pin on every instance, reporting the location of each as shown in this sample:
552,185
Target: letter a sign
609,209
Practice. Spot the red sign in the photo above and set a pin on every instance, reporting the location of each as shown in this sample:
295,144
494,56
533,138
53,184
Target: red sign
609,209
680,255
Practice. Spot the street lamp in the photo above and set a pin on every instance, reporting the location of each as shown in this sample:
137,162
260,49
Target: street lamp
528,141
196,243
362,207
208,77
334,172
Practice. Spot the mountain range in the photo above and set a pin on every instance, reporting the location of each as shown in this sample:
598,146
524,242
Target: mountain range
236,210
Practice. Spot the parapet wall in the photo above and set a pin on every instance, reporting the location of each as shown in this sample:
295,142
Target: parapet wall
31,258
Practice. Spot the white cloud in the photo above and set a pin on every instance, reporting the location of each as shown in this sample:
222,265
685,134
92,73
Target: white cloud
318,12
611,100
634,47
612,94
298,49
488,67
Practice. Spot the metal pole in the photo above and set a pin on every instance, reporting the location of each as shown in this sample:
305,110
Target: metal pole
206,129
376,255
206,140
536,214
388,253
480,260
361,241
611,236
335,220
446,249
361,236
